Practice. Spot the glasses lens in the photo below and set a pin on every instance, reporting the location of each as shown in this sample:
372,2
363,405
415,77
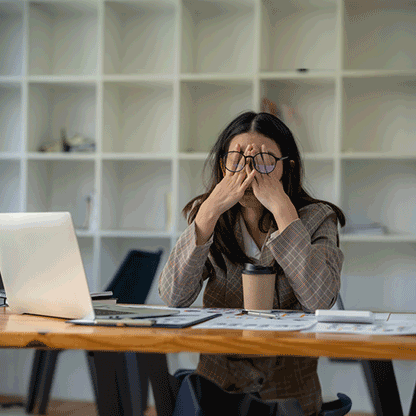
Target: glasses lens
264,163
234,161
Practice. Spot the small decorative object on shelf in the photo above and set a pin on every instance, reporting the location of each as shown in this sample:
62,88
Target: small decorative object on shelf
65,144
269,106
77,143
90,221
80,144
49,146
288,115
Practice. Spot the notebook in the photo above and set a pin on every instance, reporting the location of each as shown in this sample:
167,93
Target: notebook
43,272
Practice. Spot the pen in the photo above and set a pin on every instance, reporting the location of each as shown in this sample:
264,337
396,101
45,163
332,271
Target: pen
262,314
125,322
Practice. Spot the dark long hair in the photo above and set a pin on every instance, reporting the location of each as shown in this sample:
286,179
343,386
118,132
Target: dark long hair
225,242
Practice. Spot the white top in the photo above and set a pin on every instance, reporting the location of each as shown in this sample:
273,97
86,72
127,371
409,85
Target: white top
250,246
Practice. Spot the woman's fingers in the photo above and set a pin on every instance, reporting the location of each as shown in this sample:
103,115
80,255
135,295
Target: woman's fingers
249,179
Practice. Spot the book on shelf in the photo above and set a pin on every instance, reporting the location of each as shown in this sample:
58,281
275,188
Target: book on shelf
374,228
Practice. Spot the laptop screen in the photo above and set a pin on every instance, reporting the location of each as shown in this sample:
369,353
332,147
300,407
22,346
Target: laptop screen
41,265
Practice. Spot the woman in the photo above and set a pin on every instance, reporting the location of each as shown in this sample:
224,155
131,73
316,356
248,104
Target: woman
257,211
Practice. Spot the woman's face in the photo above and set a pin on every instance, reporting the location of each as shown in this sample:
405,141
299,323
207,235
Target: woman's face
257,140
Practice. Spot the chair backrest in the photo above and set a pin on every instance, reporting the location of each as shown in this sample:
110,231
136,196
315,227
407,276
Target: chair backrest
132,281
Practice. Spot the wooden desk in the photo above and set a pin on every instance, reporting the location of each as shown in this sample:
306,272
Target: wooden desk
25,331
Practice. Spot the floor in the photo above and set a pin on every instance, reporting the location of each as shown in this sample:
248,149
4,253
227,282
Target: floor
75,408
56,408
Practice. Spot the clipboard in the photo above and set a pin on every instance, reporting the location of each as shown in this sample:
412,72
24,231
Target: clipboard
183,319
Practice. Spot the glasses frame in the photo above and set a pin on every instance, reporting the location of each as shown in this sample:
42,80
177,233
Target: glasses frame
277,159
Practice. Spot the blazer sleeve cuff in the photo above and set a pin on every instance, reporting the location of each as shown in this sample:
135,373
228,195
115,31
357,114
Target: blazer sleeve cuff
286,244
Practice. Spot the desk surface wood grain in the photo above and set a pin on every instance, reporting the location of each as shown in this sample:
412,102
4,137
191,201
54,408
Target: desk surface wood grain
27,331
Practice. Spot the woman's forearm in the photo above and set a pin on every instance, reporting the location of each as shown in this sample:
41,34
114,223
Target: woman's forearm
205,222
311,263
181,279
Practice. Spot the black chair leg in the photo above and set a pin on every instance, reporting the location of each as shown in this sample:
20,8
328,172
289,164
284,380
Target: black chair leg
382,385
93,373
41,379
164,385
118,388
129,382
144,377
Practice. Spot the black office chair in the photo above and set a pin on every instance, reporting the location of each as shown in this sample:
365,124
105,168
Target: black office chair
191,402
131,284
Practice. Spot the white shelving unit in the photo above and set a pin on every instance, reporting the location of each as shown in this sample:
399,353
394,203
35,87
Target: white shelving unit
153,82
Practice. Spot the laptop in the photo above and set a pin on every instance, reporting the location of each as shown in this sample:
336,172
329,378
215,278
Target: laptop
43,273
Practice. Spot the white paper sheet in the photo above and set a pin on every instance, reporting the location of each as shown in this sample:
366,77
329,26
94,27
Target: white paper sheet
283,321
385,324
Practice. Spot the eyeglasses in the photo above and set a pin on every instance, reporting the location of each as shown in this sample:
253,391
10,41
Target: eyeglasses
262,162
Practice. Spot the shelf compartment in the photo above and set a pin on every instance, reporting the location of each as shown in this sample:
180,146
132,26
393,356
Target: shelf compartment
10,176
56,31
53,106
192,184
378,191
319,180
135,195
380,34
138,117
60,185
86,247
140,37
388,285
207,108
11,35
379,119
10,117
218,36
298,35
114,250
308,108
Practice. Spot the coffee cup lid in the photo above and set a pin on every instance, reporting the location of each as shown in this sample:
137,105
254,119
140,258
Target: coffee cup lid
250,268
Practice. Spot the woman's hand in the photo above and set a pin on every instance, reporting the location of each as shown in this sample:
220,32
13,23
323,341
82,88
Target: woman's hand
268,189
231,188
223,197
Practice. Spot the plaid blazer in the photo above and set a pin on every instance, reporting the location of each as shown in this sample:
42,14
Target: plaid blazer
309,263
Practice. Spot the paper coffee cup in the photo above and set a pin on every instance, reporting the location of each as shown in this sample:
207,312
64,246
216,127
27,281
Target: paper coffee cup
258,287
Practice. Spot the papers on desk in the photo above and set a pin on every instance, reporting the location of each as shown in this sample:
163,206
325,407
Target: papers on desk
283,321
385,323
